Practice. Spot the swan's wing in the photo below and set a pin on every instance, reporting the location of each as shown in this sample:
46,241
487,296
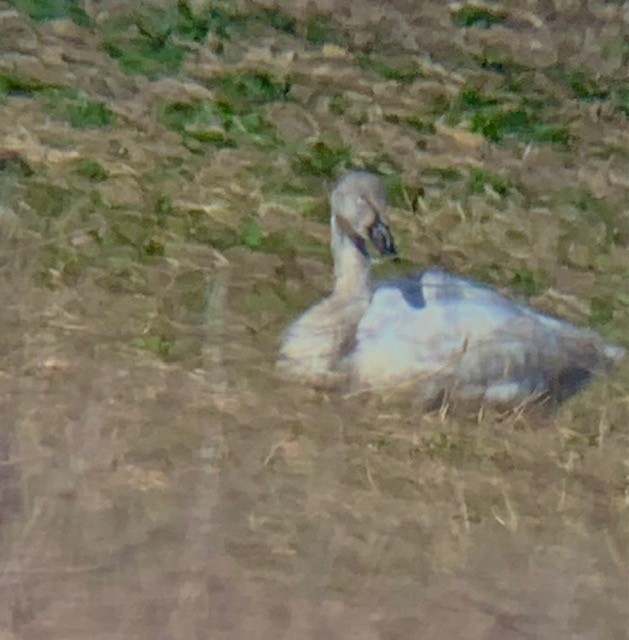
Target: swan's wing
455,332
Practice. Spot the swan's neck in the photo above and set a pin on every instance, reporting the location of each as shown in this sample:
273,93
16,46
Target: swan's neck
351,268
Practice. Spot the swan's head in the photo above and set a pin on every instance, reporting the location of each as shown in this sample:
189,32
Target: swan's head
357,205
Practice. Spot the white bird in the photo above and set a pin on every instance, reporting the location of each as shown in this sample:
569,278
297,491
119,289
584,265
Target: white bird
445,336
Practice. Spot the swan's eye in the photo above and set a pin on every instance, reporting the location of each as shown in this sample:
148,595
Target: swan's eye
381,238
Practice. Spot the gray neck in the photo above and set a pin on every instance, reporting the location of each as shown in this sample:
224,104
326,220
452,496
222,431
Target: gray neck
351,267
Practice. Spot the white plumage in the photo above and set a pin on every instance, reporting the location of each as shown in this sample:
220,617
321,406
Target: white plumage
445,336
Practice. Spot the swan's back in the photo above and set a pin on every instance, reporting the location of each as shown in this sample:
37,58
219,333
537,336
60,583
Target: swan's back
450,335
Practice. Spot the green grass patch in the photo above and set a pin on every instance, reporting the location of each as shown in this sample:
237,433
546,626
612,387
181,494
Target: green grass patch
91,169
48,201
583,87
60,102
444,174
421,125
513,110
321,159
76,107
479,179
477,16
322,28
621,96
146,56
159,345
12,84
154,43
401,69
42,10
200,120
471,98
59,265
601,311
216,123
528,283
252,235
339,104
499,123
246,88
220,19
400,194
279,20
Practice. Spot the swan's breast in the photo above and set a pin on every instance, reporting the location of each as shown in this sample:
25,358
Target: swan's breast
315,346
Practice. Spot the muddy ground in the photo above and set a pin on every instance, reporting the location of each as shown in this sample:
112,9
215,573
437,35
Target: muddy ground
163,177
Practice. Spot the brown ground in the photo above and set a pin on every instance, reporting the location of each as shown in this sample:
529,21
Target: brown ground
158,481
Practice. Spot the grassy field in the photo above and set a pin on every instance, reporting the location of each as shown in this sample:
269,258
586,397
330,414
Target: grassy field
164,169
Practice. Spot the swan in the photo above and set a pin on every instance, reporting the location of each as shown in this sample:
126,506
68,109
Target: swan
444,336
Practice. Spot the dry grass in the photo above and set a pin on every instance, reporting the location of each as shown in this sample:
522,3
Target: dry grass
159,228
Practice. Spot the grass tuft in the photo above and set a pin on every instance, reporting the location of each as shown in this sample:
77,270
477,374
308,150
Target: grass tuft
320,159
91,169
42,10
477,16
217,123
479,179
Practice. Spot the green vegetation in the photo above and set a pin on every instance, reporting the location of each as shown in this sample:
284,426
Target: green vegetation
479,179
321,159
235,118
582,86
12,84
339,104
621,96
601,311
76,107
149,56
159,345
400,194
401,69
470,15
91,169
63,103
200,120
252,236
321,28
528,283
250,88
279,20
47,200
216,123
446,174
152,45
53,9
420,124
496,120
219,19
